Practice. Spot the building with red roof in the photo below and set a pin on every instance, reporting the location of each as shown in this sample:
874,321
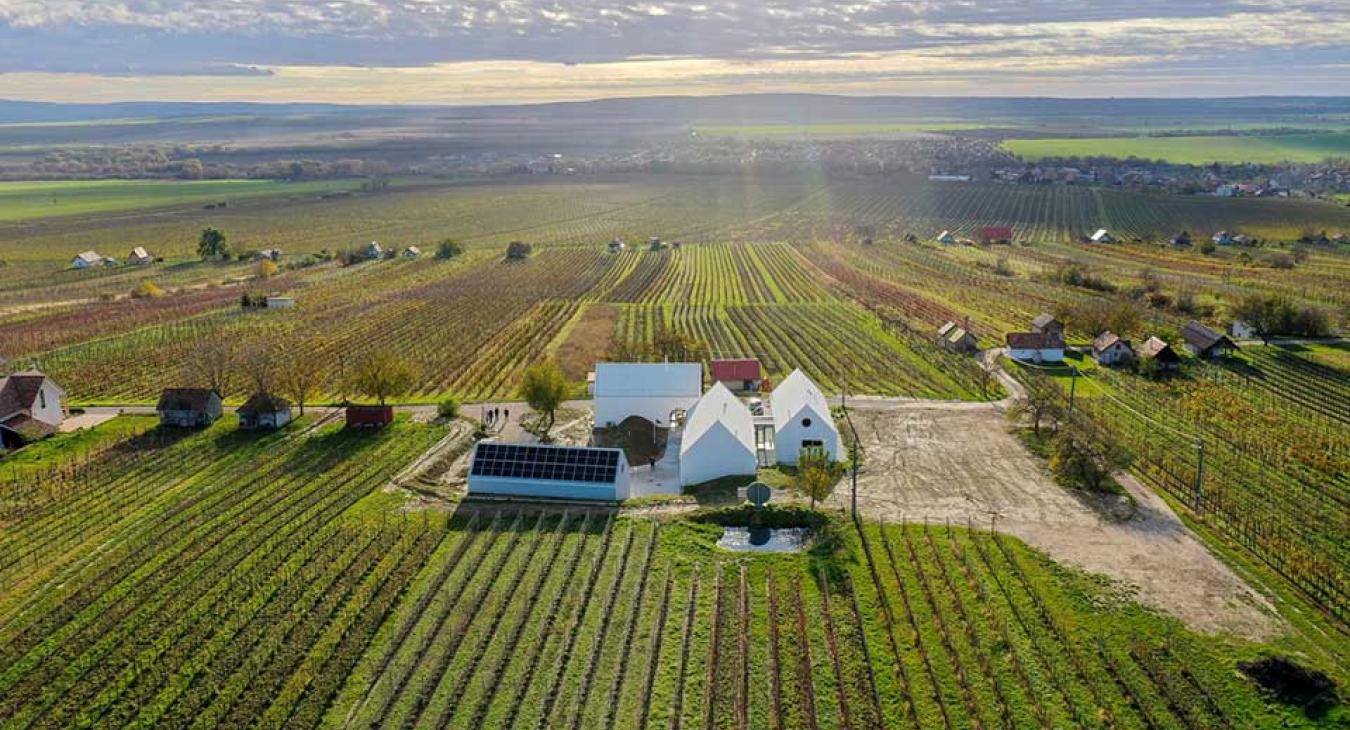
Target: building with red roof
740,375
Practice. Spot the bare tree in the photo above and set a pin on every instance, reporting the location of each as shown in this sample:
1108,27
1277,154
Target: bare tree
261,363
297,376
211,361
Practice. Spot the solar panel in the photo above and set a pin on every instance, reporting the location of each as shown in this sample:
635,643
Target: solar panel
547,463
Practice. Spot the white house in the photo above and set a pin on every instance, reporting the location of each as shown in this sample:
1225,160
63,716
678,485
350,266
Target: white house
30,407
1108,348
801,419
649,390
946,237
535,471
1036,346
1103,236
412,252
140,257
718,439
86,259
280,302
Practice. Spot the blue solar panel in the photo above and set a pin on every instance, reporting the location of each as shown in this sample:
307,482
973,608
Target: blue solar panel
547,463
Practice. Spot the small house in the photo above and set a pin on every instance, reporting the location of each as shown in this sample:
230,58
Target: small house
1109,348
1047,324
268,254
1181,240
189,407
801,419
373,250
1204,342
31,408
654,243
946,237
1035,346
616,246
1102,236
365,416
1222,238
264,412
994,234
412,252
280,302
1157,350
86,259
140,257
957,339
739,376
718,439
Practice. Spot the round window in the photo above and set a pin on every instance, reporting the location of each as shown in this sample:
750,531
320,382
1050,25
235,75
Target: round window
806,423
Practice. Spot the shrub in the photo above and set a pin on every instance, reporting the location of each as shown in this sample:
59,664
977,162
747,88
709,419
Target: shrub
147,289
448,408
448,249
1292,684
771,515
518,251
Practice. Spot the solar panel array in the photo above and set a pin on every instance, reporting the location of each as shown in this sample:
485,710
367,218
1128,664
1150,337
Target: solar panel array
550,463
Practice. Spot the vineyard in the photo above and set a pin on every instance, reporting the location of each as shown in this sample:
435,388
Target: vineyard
228,579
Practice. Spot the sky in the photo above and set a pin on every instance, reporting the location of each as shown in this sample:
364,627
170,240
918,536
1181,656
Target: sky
520,51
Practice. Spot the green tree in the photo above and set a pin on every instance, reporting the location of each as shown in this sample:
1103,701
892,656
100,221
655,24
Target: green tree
383,375
544,388
297,375
212,244
1266,314
448,249
1041,400
1085,454
816,475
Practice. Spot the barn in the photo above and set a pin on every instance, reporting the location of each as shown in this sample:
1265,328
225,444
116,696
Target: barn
718,439
1035,347
189,407
538,471
801,419
649,390
994,234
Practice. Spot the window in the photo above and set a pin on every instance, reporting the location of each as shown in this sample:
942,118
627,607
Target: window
42,399
812,444
806,423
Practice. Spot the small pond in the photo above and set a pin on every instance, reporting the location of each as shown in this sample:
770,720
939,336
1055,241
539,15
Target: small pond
765,539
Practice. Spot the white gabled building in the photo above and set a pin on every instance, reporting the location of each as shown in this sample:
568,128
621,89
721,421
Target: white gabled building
650,390
718,439
801,418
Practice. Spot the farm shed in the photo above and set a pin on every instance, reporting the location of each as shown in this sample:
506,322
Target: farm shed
548,472
373,250
369,416
1109,349
718,439
86,259
268,254
1156,349
30,408
140,257
1204,342
1046,323
412,252
280,302
1035,346
956,338
650,390
801,419
741,375
946,237
189,407
994,234
1102,236
263,411
616,246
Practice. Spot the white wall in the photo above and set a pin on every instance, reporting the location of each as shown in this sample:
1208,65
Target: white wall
1045,355
788,438
52,412
718,453
614,409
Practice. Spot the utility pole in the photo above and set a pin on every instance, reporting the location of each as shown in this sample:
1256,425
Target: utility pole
1199,472
1073,383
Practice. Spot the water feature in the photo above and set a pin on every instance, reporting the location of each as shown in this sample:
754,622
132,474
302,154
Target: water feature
765,539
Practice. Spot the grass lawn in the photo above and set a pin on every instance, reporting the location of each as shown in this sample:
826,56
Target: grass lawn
1192,150
28,200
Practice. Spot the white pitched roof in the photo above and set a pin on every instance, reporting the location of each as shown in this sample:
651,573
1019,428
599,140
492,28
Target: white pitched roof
89,257
795,393
648,379
1100,234
718,406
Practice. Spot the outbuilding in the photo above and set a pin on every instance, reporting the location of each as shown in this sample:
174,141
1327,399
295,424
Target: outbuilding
189,407
1109,348
650,390
946,237
1159,351
264,412
718,439
1045,323
537,471
994,234
1204,342
140,257
957,339
1035,346
280,302
366,416
739,376
412,252
86,259
1102,236
801,419
31,408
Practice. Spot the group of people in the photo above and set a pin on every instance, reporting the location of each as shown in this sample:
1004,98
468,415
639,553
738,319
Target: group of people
494,417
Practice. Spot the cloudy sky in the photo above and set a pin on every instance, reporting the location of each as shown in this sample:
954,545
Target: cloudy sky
428,51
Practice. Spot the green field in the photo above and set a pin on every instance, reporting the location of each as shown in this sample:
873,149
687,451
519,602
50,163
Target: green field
20,201
1197,150
221,579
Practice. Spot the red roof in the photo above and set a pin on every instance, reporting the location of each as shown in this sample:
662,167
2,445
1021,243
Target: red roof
723,370
995,233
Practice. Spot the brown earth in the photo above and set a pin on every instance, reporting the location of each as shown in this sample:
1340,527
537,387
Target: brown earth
588,341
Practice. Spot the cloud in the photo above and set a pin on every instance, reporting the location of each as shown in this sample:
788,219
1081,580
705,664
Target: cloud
908,44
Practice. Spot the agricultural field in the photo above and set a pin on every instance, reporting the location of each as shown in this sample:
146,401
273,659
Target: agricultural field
21,201
275,581
1193,150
